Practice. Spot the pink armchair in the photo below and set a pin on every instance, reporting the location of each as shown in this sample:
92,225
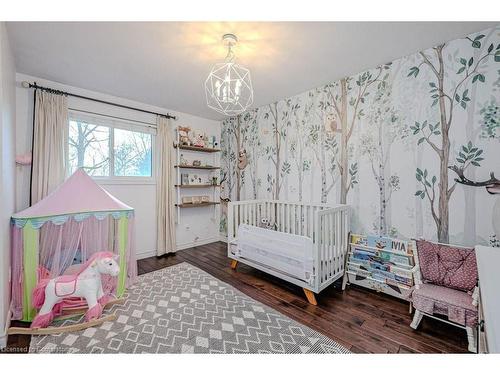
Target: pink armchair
446,285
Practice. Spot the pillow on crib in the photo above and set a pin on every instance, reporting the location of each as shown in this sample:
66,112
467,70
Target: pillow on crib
448,266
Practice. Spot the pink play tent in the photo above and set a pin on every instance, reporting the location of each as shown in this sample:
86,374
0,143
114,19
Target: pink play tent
65,229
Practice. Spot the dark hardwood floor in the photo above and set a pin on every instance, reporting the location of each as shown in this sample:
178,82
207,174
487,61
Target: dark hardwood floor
362,320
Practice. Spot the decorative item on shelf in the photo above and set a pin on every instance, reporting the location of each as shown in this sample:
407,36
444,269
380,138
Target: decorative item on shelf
184,179
214,180
194,179
183,160
196,199
187,200
381,263
212,142
199,139
185,135
196,163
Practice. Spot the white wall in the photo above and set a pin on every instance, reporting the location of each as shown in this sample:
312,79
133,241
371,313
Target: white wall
197,225
7,171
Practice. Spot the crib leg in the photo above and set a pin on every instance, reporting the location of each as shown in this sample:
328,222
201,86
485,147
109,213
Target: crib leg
344,281
234,263
311,298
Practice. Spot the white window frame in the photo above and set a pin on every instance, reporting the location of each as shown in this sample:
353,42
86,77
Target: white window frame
113,123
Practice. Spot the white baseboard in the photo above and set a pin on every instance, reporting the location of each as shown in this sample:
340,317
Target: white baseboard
3,335
206,241
146,254
183,246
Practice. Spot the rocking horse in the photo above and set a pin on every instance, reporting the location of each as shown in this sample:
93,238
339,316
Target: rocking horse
50,239
58,296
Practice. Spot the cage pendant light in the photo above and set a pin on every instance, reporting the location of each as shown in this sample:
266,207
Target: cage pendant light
228,87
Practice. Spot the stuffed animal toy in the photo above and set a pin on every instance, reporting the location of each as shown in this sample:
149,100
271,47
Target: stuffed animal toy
267,224
185,135
49,294
242,159
199,139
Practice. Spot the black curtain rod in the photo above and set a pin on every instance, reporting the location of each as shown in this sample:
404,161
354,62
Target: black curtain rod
54,91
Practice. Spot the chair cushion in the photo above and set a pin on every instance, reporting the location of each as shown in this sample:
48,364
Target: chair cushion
448,266
455,304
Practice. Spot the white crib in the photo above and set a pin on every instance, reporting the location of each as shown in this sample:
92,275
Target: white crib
308,248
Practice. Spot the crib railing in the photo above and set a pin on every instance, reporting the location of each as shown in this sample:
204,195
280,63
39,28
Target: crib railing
327,225
289,217
332,243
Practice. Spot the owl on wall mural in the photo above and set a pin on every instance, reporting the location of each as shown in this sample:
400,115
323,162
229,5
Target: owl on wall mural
331,124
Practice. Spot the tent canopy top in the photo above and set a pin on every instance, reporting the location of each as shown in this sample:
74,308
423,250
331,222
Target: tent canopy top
79,194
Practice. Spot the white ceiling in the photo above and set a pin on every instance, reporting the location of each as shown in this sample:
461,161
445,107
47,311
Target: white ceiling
166,63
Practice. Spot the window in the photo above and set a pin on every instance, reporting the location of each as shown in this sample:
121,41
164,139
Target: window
109,148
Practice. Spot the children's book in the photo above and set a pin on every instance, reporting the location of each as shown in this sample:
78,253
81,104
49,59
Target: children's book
386,243
384,260
358,239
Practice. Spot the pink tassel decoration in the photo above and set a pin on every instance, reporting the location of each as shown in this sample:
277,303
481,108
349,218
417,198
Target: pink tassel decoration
93,313
103,301
42,321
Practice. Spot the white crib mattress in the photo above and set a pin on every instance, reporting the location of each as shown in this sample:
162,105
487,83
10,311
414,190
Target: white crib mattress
288,253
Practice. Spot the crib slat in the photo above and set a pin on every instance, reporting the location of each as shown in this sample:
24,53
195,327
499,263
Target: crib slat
299,220
329,255
288,218
326,257
323,232
342,243
282,217
335,230
285,217
311,222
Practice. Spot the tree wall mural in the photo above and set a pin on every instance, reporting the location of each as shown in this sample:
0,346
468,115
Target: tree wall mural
448,97
369,139
383,129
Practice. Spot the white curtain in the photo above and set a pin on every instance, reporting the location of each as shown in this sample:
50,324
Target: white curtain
50,143
165,213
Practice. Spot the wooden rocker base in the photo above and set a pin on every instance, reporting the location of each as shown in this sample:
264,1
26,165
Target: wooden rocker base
234,264
68,313
72,312
311,298
55,330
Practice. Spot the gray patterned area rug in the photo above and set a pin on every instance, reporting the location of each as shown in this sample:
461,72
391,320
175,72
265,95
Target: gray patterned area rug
182,309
